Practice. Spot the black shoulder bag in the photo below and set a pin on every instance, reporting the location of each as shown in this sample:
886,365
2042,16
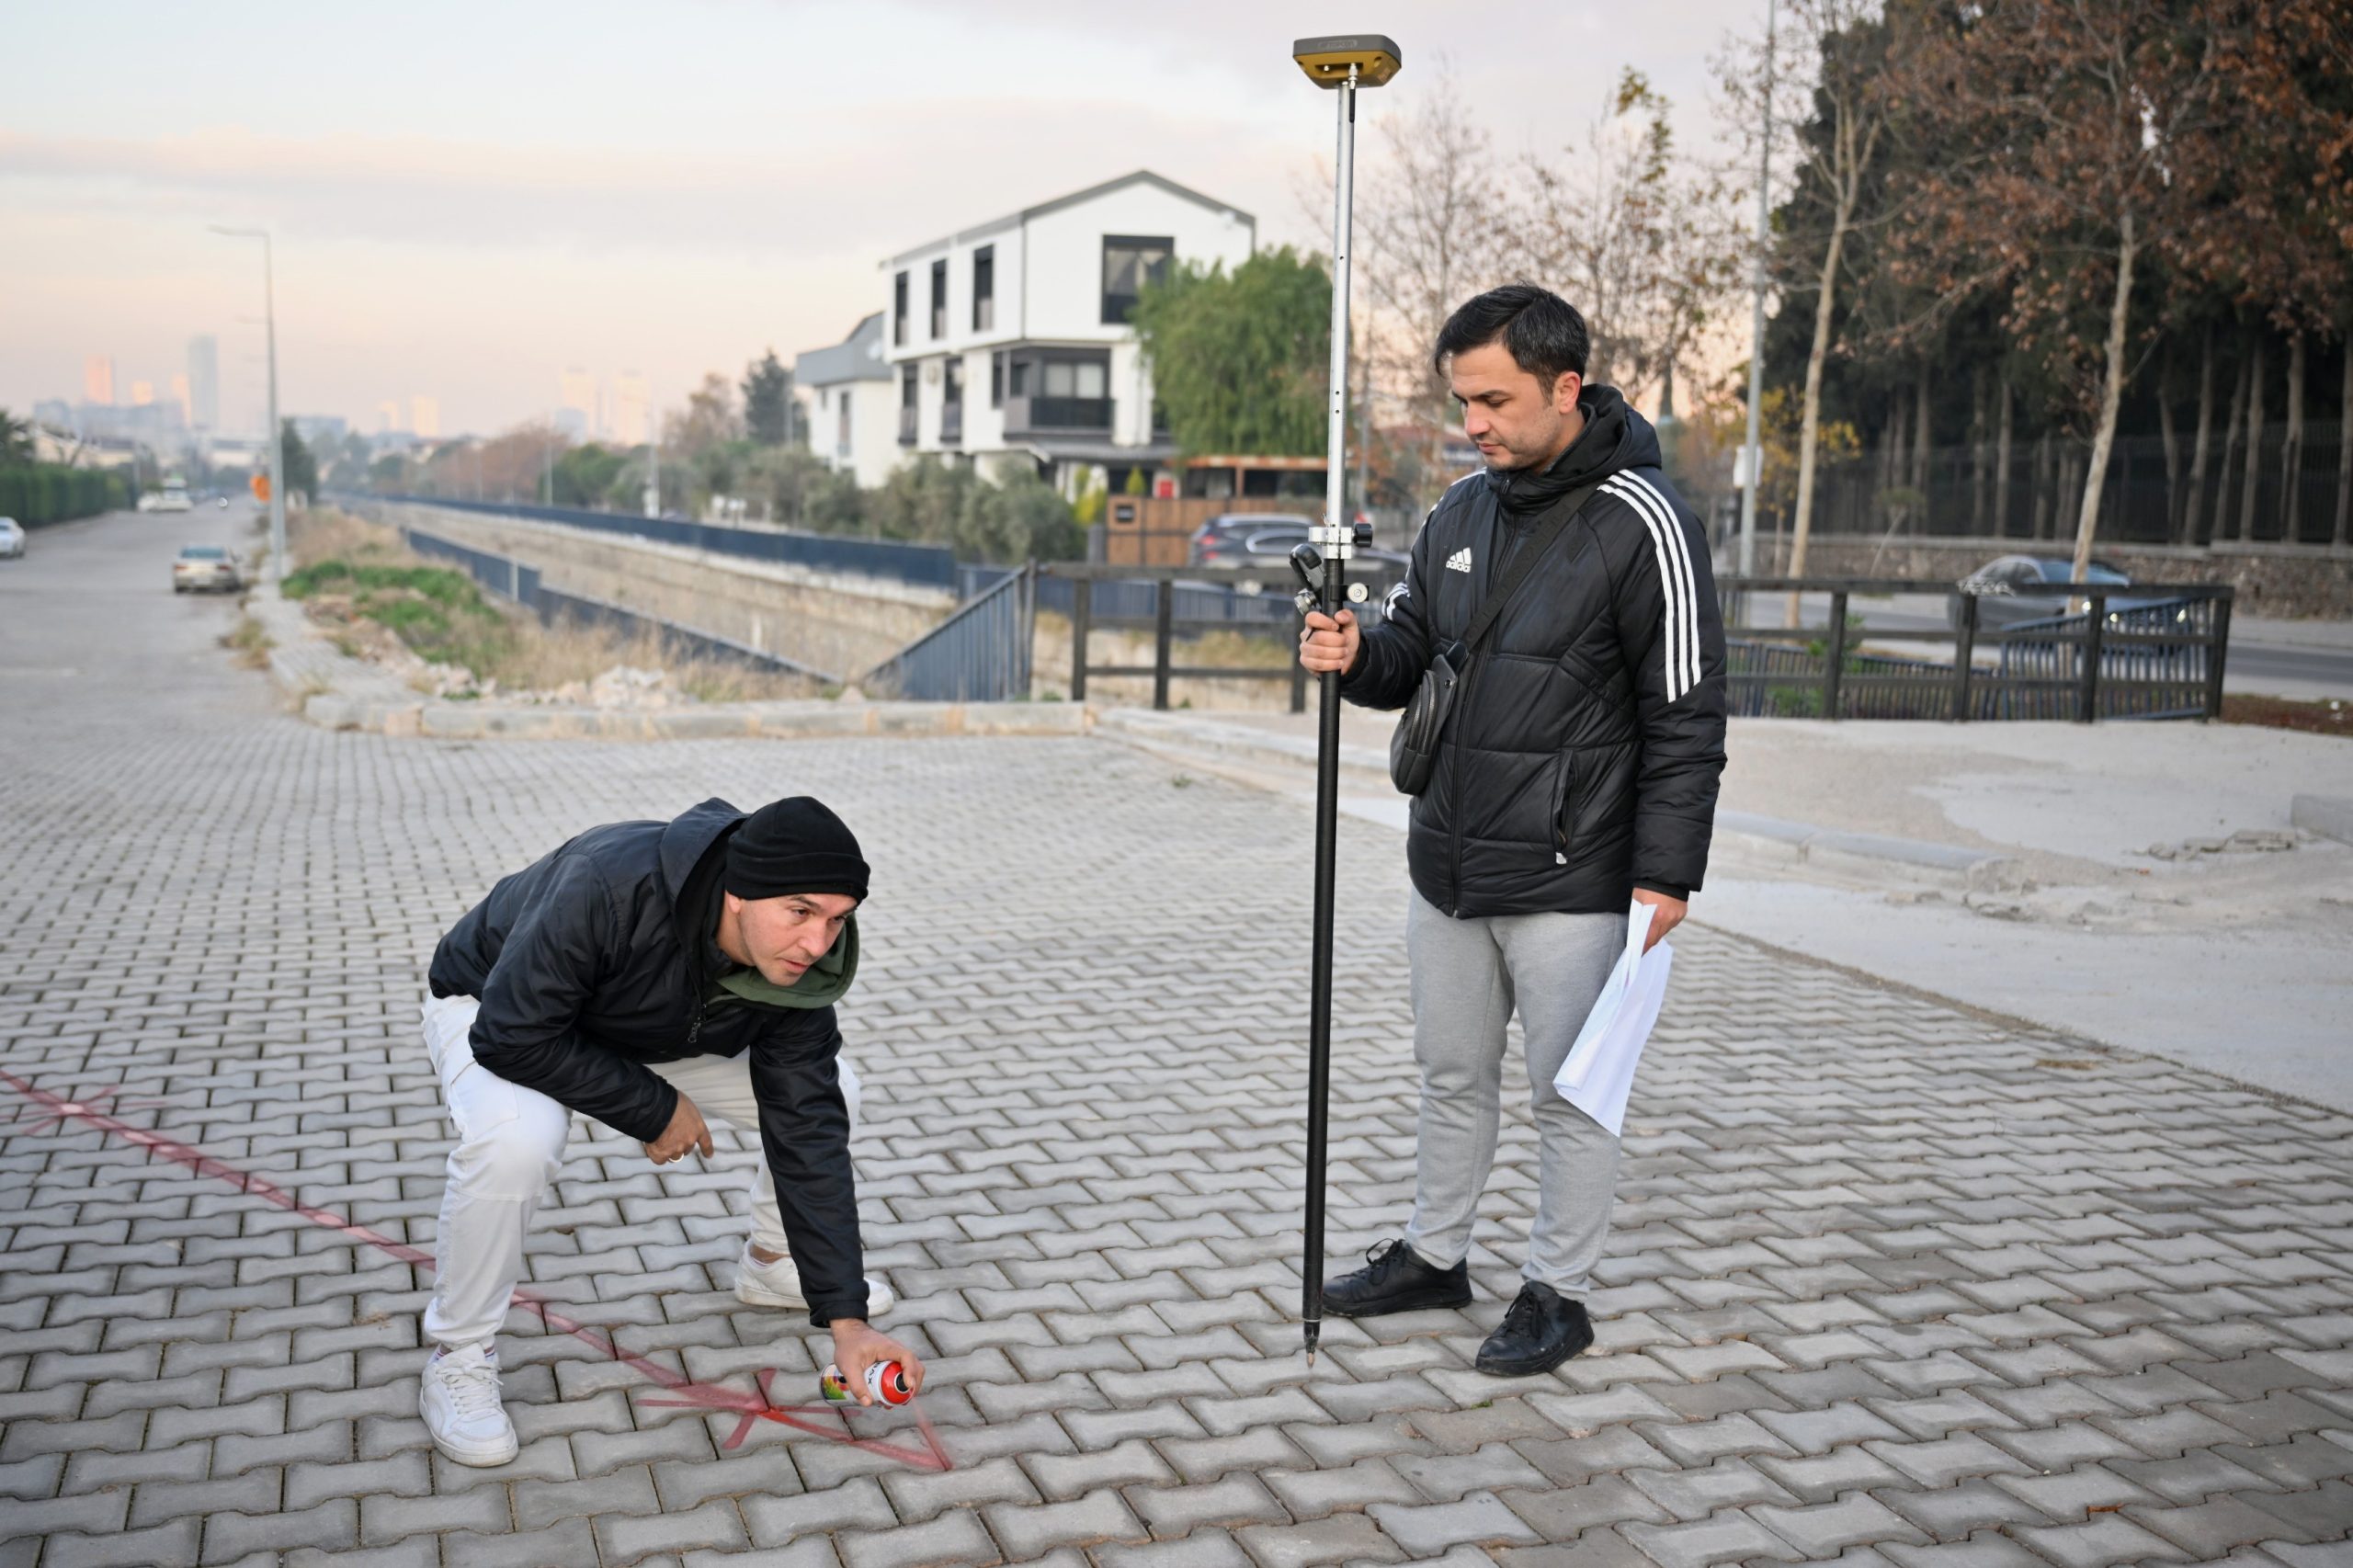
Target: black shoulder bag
1413,749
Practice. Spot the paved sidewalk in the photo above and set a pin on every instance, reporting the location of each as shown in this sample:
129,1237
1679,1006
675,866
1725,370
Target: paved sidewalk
1888,1284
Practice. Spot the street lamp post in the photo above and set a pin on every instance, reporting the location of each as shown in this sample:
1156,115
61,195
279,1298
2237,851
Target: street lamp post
277,436
1344,63
1752,455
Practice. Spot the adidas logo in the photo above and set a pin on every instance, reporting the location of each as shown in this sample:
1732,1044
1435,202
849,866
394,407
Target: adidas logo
1459,561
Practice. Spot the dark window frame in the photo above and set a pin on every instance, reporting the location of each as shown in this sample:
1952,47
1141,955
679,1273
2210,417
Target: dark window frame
984,289
1119,307
899,309
939,299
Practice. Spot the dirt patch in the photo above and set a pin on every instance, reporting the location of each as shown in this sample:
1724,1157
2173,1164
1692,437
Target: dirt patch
2331,716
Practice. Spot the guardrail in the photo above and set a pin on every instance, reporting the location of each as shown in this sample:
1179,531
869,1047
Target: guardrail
511,579
981,654
921,565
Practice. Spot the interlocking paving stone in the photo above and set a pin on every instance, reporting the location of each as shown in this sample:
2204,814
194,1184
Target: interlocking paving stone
1873,1260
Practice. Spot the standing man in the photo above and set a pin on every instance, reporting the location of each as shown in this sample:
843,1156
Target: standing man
1577,771
644,974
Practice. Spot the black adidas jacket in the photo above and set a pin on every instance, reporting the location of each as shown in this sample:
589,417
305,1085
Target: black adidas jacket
1581,755
598,959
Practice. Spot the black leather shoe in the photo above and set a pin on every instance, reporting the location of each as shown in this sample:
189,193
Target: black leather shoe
1396,1280
1542,1329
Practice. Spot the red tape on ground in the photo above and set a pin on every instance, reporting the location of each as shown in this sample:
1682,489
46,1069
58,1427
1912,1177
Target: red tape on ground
752,1407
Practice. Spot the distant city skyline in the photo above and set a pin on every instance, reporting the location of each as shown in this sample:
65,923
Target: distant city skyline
442,221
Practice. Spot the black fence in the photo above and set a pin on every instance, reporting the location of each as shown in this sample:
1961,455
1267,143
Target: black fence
2163,660
1170,601
924,565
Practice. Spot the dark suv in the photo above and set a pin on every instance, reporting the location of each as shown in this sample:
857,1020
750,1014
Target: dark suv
1265,539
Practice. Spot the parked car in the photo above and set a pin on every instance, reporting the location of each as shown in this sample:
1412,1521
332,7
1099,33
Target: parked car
12,538
2014,589
1265,539
205,566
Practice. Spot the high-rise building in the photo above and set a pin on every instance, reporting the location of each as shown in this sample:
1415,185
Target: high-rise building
632,424
203,381
576,394
97,379
141,393
180,397
425,417
388,417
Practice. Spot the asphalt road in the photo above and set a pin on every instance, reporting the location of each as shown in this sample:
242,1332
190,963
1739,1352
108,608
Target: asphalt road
111,575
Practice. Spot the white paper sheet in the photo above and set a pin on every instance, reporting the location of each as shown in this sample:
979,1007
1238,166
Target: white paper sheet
1598,1073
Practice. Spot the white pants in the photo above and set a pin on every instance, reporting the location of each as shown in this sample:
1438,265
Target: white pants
510,1143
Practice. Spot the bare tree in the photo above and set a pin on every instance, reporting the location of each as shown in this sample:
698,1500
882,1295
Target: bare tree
1426,218
1838,116
1646,243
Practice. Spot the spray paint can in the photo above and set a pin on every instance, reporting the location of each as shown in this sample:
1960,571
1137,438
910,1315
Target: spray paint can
886,1380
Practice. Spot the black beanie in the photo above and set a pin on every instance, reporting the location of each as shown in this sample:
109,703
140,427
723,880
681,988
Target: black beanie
795,846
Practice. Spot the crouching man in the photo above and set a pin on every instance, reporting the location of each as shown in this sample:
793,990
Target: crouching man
648,974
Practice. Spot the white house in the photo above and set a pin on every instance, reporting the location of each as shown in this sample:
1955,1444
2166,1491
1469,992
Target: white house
1009,342
847,393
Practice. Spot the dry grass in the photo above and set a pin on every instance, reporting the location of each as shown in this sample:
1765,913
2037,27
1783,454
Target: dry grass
323,534
1238,650
250,643
546,657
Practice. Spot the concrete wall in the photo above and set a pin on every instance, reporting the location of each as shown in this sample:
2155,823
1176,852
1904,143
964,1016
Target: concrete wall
843,624
2291,582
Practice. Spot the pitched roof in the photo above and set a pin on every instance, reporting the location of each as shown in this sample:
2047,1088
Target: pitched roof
1012,219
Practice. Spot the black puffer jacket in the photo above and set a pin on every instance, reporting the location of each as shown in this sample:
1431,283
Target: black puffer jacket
1581,759
598,959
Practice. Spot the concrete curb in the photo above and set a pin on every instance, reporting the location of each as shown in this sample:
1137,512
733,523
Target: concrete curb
1802,844
2331,816
331,689
1365,771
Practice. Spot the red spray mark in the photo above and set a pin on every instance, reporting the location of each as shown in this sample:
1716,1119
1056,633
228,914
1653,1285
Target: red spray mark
707,1397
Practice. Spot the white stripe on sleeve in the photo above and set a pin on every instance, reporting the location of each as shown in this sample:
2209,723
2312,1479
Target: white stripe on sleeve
1671,619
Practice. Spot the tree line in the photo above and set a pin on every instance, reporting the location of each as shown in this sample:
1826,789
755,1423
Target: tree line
2087,219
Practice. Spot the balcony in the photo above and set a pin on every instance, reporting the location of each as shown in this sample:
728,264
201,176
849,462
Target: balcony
1057,415
906,426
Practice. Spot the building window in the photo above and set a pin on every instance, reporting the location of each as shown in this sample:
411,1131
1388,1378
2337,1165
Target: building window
938,300
899,311
951,399
984,289
1130,262
1073,378
997,380
841,432
907,404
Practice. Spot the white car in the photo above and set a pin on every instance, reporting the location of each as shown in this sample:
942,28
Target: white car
12,538
205,566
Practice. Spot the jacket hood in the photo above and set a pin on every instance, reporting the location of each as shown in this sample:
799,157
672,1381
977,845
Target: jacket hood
1615,437
688,837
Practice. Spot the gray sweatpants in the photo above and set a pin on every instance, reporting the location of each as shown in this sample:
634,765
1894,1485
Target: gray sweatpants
1468,975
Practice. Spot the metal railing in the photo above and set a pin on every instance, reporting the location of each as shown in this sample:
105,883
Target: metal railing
511,579
2145,661
981,654
923,565
1190,599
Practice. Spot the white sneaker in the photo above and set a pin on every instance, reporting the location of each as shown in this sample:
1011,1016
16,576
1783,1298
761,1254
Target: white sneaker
777,1284
459,1403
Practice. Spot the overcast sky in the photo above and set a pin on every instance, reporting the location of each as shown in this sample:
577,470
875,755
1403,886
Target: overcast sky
469,198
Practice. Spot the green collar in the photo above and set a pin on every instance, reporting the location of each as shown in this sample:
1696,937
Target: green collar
823,986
